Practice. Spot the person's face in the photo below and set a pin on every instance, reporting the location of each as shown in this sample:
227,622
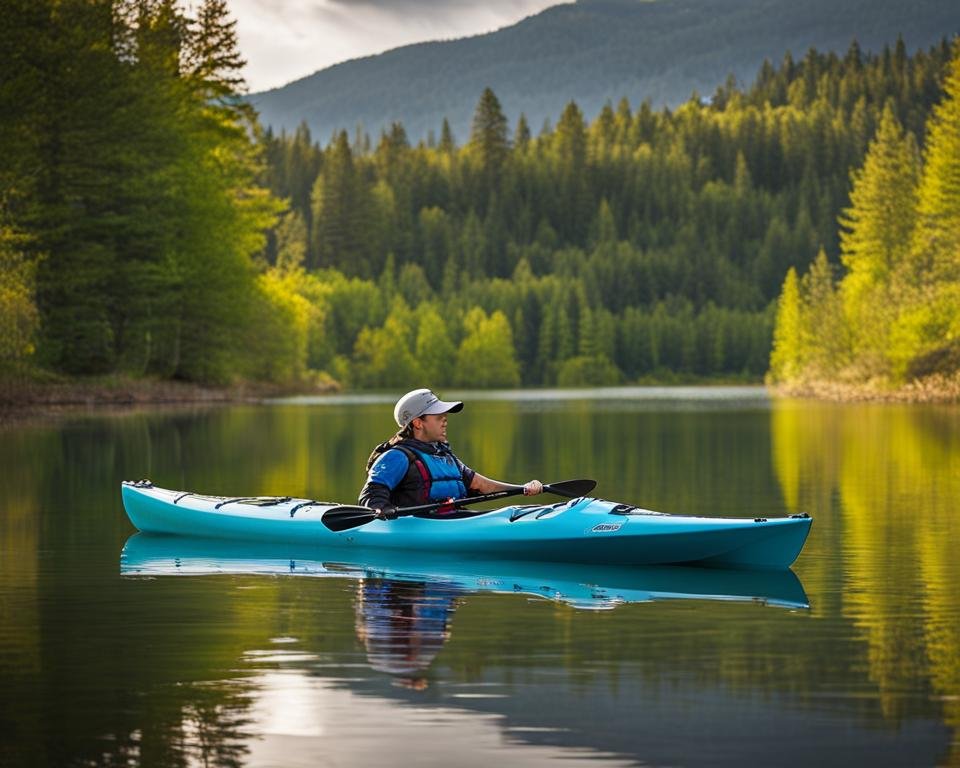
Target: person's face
433,429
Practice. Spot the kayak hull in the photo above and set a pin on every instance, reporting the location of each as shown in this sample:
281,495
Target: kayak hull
584,530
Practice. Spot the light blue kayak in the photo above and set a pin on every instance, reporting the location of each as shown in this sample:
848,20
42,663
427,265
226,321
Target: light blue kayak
581,530
587,587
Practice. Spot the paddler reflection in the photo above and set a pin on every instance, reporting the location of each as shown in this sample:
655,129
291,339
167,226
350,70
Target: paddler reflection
403,625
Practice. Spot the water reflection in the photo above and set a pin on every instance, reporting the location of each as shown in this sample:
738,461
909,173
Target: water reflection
255,667
403,625
585,587
404,603
889,479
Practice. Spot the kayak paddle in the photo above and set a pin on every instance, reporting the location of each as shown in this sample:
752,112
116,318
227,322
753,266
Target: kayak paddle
346,517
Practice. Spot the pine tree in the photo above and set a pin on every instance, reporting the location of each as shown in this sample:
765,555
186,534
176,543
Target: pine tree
522,134
570,146
937,243
787,358
447,142
875,238
213,53
877,227
825,337
339,208
488,137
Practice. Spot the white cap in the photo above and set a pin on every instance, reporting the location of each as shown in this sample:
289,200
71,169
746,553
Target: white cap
421,402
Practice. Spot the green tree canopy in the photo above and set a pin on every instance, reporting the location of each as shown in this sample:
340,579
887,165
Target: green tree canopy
486,356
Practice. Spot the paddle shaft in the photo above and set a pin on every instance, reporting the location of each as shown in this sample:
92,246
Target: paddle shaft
463,502
566,488
343,518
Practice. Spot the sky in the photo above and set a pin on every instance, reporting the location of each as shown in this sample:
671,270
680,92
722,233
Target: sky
284,40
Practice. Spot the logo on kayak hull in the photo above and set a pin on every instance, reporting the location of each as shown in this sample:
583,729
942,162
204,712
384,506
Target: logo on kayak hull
606,528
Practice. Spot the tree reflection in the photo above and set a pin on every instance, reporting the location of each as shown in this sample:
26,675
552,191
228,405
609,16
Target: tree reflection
895,471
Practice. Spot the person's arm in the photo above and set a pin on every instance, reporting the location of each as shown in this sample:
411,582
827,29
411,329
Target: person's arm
482,484
377,496
385,474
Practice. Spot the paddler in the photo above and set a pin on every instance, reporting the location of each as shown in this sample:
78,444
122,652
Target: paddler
417,466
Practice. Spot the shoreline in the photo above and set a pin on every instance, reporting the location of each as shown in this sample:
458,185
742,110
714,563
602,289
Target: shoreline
29,399
935,389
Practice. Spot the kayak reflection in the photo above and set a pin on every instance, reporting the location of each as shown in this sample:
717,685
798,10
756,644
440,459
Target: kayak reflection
405,602
591,587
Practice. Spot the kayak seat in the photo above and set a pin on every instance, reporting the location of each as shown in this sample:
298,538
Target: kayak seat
540,509
629,509
523,511
552,508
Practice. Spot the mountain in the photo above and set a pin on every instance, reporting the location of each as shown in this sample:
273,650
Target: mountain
591,51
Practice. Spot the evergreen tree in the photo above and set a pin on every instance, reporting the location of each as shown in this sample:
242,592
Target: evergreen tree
875,237
447,142
937,244
213,55
826,343
787,358
339,208
570,146
522,134
488,138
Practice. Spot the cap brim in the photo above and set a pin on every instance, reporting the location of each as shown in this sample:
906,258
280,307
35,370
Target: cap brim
443,407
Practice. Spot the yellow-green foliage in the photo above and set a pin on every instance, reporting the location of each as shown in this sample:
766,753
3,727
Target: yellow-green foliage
875,239
18,311
486,357
383,357
896,313
786,360
824,331
930,320
588,371
280,328
937,241
435,351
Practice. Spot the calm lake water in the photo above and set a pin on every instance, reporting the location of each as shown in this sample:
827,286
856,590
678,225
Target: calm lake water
183,654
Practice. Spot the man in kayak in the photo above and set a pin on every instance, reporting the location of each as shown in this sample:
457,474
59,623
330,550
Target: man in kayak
416,465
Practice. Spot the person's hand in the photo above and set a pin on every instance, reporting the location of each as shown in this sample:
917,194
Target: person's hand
387,512
533,488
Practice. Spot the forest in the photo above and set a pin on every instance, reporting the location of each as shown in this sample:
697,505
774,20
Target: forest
888,315
149,227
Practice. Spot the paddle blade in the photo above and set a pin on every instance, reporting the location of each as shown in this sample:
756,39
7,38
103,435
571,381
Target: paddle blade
571,488
344,518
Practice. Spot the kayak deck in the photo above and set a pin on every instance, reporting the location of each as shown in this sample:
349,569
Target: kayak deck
583,530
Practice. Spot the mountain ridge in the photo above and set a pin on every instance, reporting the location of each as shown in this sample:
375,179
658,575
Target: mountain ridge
592,52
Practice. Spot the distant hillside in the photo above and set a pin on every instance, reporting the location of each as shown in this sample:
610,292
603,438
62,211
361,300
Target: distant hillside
592,51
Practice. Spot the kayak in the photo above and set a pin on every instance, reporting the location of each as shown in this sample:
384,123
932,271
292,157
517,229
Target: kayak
579,530
586,587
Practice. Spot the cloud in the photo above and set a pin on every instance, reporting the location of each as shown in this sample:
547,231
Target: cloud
283,40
